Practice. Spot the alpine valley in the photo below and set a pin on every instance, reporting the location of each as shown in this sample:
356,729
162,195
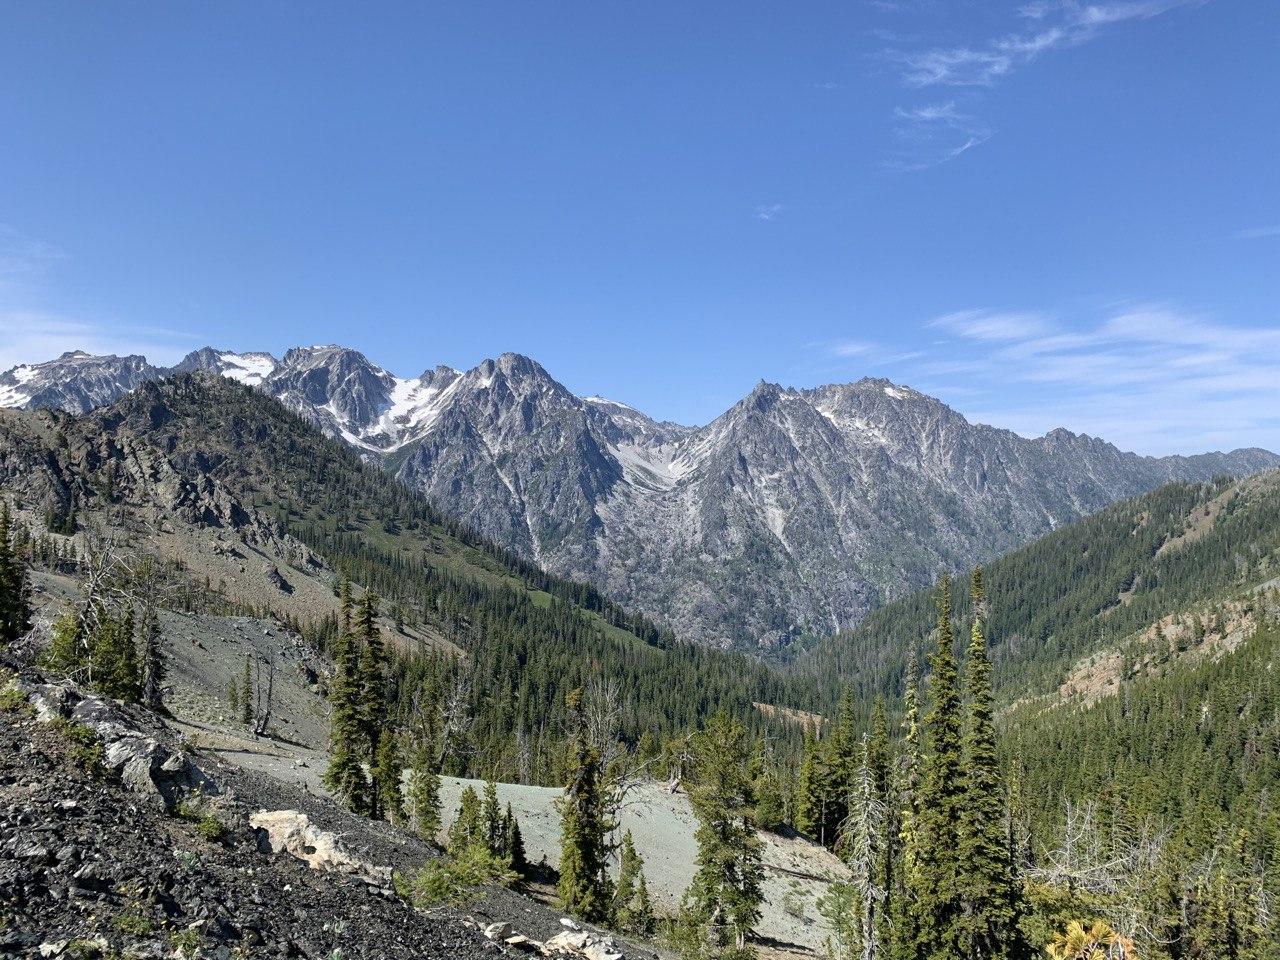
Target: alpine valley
792,515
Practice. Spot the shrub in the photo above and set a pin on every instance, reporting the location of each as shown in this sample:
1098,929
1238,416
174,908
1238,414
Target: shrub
211,828
83,746
13,700
455,880
131,921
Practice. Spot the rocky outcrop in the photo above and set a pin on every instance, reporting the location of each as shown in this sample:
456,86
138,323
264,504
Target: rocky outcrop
88,870
574,941
293,833
134,753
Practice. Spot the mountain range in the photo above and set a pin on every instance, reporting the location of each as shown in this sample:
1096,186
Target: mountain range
794,513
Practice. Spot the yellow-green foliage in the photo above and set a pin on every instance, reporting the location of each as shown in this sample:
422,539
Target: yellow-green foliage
83,746
454,880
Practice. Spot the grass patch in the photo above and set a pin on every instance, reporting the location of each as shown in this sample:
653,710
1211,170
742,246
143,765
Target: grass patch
13,700
185,942
82,746
131,921
207,824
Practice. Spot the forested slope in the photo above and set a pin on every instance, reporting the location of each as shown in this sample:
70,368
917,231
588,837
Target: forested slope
207,453
1083,588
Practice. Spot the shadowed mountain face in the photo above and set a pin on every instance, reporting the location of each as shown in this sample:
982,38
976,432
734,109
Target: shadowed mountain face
796,511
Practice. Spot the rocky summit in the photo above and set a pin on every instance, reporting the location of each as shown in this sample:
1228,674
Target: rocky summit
793,513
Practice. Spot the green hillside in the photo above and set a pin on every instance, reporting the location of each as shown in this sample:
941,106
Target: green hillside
529,637
1083,588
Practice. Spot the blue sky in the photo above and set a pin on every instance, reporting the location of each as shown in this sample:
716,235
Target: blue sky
1046,213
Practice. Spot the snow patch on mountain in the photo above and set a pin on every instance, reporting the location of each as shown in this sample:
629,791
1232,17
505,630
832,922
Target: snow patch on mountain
247,368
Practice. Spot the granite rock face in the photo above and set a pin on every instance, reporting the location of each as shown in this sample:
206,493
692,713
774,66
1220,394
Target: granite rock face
794,512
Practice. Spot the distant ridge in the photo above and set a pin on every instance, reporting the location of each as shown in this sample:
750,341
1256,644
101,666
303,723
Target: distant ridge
792,514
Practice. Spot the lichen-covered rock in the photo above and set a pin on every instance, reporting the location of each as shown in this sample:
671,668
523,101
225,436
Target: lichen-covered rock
292,832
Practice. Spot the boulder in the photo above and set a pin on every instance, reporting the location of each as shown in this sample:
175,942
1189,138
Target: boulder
143,763
292,832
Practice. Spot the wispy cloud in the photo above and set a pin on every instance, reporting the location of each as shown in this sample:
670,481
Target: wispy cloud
933,133
22,258
768,211
1258,233
28,336
31,333
1054,24
987,326
1147,377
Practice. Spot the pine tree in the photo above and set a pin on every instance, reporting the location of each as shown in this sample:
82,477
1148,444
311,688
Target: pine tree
372,704
348,742
863,850
879,762
246,693
988,927
766,787
154,667
15,611
515,853
843,758
936,901
723,902
899,909
491,820
467,829
811,796
424,788
69,648
632,911
387,776
585,888
115,659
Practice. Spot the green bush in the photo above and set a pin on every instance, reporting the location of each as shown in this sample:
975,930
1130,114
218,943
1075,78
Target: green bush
131,921
454,880
13,700
211,828
83,746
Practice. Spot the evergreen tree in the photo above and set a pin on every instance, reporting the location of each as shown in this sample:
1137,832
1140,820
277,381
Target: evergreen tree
387,776
246,693
372,703
15,611
766,787
988,927
68,650
813,801
899,909
114,659
585,889
844,756
154,667
348,741
424,788
936,895
491,820
514,852
632,911
722,903
467,829
862,846
879,762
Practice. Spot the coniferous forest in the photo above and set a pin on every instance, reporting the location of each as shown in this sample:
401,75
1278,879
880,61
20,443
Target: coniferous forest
1074,749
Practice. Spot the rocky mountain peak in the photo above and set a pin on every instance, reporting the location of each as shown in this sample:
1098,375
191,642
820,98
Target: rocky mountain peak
76,381
825,501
